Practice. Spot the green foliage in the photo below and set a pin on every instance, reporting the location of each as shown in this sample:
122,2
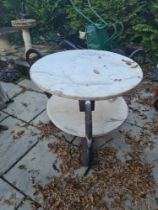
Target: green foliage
49,15
111,10
140,18
8,11
147,28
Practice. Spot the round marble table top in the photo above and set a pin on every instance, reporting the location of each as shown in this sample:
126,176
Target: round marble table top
86,74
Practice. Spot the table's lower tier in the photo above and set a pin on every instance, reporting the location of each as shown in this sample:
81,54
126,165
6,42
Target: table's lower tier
107,116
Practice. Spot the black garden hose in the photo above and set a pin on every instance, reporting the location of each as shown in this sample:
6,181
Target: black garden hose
37,55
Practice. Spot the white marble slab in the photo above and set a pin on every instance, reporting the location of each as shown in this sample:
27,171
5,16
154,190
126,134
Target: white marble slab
27,106
12,146
86,74
9,197
108,115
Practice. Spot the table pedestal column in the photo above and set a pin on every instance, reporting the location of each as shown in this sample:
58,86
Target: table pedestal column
75,118
87,143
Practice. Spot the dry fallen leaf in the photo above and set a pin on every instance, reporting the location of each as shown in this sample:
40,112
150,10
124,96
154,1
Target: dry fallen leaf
47,129
111,183
110,179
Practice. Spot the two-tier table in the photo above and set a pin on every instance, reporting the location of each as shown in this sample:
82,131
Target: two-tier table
86,88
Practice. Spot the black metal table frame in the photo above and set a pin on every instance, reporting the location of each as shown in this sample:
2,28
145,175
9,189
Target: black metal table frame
87,106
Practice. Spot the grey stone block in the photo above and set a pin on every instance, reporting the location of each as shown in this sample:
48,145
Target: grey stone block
26,106
29,85
140,112
141,116
133,131
114,140
43,117
11,89
68,137
14,142
9,197
3,116
35,167
150,154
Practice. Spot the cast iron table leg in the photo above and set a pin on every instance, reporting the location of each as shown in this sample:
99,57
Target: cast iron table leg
86,155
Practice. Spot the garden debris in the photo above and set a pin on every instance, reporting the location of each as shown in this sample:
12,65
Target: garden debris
154,127
69,155
138,145
18,134
134,66
146,101
110,185
24,104
6,202
130,95
22,167
128,62
33,205
47,130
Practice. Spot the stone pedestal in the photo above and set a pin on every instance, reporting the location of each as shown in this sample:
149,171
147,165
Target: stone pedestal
24,25
27,39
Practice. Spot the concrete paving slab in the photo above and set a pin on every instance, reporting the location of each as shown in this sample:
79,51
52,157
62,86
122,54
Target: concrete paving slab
26,106
114,140
9,197
68,137
133,131
141,115
11,89
14,142
150,154
43,117
141,111
29,85
143,138
35,167
3,116
155,173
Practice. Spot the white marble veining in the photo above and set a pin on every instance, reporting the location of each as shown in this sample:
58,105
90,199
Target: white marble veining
86,74
108,115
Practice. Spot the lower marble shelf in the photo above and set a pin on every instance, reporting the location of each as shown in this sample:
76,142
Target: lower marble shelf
107,116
